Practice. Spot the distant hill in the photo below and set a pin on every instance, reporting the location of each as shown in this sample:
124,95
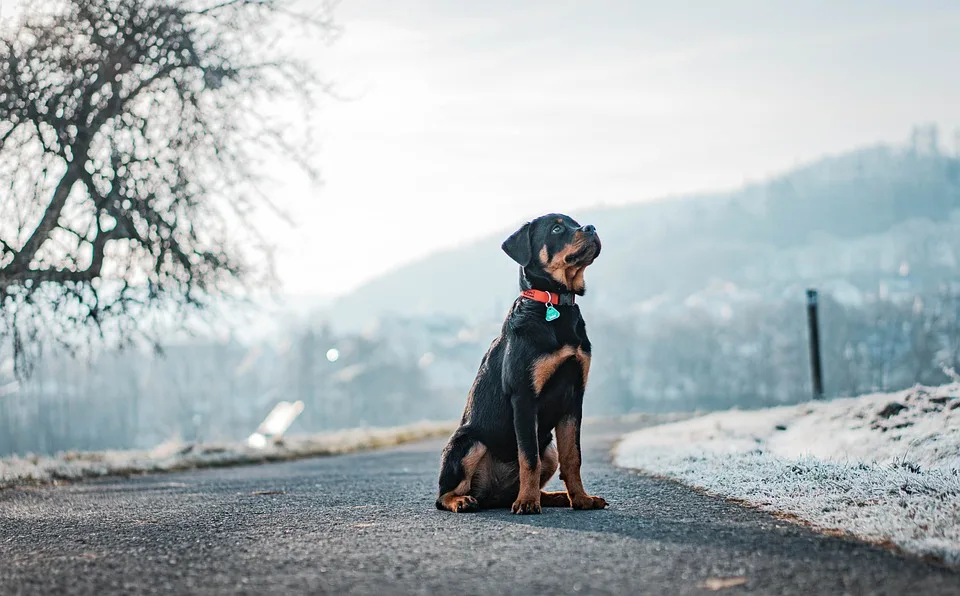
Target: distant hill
856,219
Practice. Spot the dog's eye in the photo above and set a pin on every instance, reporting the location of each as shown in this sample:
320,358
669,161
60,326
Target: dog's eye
557,229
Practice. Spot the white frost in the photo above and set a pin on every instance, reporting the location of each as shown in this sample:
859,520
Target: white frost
859,465
175,456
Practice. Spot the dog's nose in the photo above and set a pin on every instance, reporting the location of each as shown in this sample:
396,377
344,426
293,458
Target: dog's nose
589,230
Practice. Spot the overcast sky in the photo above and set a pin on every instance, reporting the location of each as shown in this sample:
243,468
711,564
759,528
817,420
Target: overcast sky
468,117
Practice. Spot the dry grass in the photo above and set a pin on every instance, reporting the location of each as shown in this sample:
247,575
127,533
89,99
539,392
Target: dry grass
176,456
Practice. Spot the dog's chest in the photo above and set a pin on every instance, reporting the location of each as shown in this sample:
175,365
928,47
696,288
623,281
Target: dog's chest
569,331
566,367
571,356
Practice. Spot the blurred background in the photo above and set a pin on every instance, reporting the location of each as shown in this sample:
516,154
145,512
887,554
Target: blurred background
731,155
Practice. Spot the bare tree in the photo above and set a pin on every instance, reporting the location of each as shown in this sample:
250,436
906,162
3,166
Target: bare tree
133,135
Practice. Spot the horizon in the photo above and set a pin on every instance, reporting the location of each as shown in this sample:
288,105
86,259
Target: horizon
324,300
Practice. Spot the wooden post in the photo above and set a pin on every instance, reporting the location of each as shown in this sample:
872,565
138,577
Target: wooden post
814,326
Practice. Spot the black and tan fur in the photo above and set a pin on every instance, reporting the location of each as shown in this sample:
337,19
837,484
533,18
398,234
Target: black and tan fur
530,384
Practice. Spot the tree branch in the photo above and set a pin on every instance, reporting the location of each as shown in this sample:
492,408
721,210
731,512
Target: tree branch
75,171
59,275
229,3
23,257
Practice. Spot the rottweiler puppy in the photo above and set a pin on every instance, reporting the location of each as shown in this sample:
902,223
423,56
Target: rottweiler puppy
530,384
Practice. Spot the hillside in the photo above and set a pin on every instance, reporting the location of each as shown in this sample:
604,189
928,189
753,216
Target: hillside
855,218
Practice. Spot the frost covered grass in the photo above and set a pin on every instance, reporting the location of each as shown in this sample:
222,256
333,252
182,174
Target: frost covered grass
176,456
883,468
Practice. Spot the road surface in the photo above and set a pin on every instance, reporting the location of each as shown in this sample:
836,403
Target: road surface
366,524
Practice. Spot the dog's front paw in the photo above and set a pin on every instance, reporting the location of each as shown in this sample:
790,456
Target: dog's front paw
587,502
526,506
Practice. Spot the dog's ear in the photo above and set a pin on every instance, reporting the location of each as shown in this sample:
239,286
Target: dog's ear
519,246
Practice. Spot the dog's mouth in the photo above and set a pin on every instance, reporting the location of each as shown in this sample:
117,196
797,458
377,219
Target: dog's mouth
586,253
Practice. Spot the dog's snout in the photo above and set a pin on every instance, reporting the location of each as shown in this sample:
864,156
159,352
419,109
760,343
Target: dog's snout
589,230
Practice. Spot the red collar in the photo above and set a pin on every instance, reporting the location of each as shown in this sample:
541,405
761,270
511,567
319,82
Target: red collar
551,297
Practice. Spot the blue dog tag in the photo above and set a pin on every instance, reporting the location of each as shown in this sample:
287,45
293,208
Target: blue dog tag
552,313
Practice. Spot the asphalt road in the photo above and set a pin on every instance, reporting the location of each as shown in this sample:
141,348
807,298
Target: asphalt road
366,524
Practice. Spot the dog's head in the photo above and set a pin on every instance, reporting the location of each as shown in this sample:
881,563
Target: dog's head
554,250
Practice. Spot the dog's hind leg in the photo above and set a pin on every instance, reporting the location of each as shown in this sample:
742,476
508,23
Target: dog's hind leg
459,463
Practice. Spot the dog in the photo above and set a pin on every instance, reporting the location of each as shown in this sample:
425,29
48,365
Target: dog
530,383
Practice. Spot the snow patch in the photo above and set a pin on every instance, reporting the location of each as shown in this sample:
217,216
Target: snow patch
882,467
175,456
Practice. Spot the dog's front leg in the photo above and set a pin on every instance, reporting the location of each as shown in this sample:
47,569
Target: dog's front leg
525,426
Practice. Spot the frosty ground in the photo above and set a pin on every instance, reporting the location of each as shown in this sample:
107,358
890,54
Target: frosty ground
882,467
175,455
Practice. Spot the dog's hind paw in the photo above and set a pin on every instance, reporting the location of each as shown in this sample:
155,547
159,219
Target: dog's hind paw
588,502
463,504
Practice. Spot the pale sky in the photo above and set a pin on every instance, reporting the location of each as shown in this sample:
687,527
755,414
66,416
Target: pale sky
468,117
